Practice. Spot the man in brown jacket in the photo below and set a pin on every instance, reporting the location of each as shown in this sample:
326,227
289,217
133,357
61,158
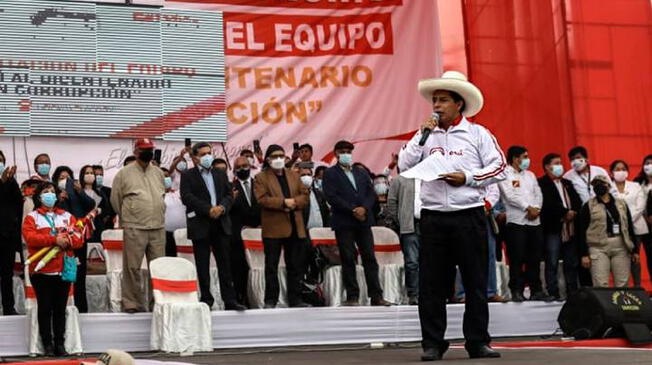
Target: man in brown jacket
137,196
282,198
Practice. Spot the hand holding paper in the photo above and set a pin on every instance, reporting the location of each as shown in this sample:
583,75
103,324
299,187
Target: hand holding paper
430,169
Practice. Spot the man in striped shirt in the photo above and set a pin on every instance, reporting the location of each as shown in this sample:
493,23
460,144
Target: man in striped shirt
453,226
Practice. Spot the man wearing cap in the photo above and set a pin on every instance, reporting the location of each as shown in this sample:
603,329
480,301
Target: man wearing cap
138,198
351,194
453,227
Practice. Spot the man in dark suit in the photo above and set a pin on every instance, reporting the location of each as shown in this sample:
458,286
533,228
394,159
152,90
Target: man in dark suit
351,195
206,193
244,213
561,204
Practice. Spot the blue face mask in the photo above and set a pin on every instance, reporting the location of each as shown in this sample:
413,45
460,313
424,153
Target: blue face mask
318,184
525,164
381,189
557,170
43,169
49,199
168,182
2,167
99,179
346,159
206,161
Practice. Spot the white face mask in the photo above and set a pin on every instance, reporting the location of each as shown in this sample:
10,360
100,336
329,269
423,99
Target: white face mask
648,169
306,180
62,184
578,164
278,163
182,166
89,179
620,176
251,161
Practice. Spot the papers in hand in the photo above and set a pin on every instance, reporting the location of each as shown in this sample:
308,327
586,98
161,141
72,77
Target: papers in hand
430,168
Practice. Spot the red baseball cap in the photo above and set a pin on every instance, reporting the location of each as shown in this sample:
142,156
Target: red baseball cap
144,143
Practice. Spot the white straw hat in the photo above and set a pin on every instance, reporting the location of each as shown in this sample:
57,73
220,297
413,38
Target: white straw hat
457,82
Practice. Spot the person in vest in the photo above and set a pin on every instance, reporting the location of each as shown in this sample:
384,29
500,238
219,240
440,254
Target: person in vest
606,236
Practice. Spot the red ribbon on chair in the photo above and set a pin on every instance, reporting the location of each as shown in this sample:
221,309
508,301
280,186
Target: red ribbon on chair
186,249
113,245
30,293
176,286
388,248
253,245
324,241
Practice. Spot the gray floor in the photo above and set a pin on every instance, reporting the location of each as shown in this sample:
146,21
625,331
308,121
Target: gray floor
409,354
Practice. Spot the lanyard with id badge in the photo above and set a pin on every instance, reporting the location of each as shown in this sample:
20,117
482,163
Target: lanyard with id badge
615,227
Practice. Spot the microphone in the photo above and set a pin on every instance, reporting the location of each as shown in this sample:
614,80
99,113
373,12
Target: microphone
426,132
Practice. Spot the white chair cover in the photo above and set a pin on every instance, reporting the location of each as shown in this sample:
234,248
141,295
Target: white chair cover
72,339
180,323
255,255
333,286
97,286
112,242
185,250
390,264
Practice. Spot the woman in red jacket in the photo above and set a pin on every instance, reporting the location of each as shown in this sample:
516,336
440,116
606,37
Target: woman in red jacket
49,226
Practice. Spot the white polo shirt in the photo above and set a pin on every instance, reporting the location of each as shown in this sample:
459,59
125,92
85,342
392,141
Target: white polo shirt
519,191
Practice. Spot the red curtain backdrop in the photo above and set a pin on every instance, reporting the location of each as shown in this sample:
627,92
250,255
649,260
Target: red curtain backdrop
557,73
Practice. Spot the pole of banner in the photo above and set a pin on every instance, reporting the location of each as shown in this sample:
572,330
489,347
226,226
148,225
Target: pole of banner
226,156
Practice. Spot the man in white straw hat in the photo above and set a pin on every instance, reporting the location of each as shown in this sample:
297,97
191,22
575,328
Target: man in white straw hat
453,227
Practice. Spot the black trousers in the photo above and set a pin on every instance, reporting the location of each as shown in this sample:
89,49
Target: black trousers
294,252
170,245
80,285
239,268
51,299
7,257
219,243
347,240
524,247
449,239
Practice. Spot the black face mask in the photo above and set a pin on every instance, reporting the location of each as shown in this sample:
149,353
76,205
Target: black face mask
243,174
146,155
600,189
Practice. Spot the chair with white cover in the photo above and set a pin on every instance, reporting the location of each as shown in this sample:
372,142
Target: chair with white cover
255,255
72,340
185,250
113,244
333,286
389,255
180,322
97,285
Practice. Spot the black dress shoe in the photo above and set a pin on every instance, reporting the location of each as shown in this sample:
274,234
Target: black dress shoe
541,296
60,350
235,307
269,306
434,354
518,298
48,350
483,351
351,303
413,300
10,312
300,305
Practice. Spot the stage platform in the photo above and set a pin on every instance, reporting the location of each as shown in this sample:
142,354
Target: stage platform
294,327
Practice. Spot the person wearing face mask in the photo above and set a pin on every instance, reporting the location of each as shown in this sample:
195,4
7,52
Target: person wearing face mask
523,200
76,201
317,213
175,214
220,164
48,225
11,211
42,167
382,217
582,172
319,177
251,158
351,194
606,236
283,198
244,213
561,204
644,178
207,194
138,198
636,199
107,215
178,166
